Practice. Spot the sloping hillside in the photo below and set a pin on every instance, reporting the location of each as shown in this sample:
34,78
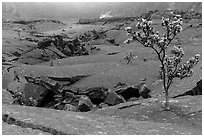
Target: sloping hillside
87,78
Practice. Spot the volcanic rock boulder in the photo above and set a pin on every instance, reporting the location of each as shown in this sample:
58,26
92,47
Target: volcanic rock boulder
33,90
97,95
69,97
114,99
143,90
59,42
145,93
85,104
26,92
119,100
67,51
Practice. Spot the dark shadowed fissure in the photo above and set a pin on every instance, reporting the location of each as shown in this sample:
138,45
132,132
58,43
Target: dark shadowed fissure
12,121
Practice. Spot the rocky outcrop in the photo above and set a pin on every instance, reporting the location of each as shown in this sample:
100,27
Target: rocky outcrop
145,93
62,47
52,47
55,92
40,89
92,35
24,93
197,90
136,91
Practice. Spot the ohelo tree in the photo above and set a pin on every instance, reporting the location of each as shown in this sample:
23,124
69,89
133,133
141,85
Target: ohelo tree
171,64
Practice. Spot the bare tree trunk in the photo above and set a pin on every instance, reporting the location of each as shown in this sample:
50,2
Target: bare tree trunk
167,99
165,88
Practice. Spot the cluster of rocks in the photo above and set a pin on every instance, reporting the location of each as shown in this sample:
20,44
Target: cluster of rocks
59,48
92,35
101,34
62,48
55,93
68,48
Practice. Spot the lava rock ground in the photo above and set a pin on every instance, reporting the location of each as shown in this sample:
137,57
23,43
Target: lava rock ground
31,120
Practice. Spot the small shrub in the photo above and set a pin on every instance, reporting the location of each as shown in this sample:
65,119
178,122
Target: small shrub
129,57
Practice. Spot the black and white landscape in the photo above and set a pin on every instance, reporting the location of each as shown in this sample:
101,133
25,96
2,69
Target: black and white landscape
71,69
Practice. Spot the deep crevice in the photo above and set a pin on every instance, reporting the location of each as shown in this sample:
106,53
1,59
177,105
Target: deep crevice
10,120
